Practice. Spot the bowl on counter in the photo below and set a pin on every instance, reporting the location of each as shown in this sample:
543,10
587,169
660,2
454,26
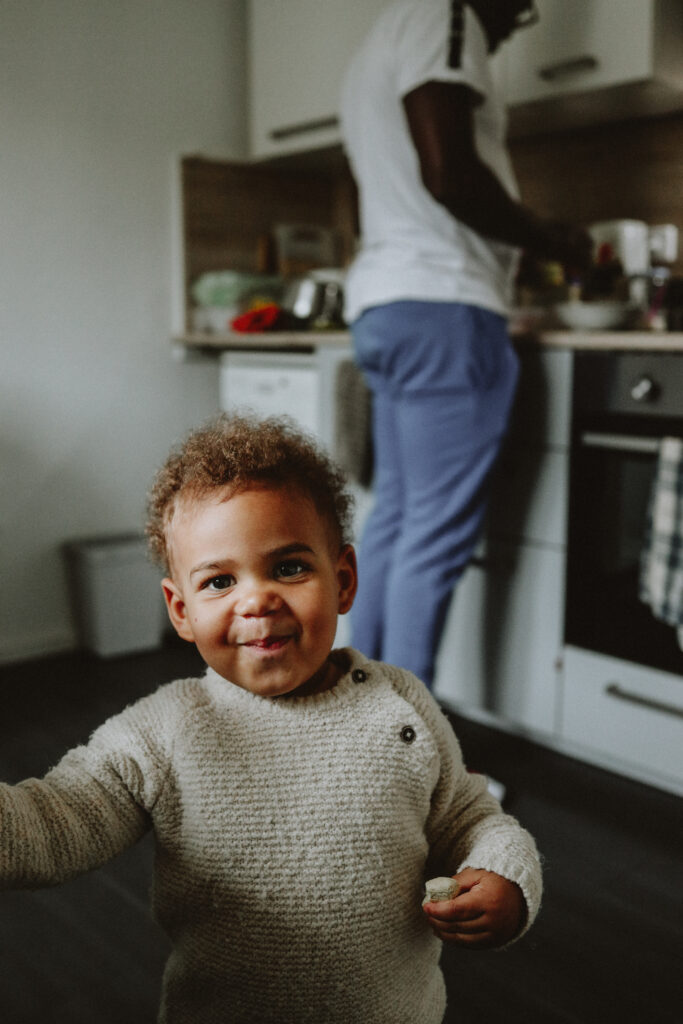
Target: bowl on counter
598,315
213,319
528,319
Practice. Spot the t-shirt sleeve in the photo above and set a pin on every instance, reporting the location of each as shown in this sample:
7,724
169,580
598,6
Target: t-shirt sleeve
443,42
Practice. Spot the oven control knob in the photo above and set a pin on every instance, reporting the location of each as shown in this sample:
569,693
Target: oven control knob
644,390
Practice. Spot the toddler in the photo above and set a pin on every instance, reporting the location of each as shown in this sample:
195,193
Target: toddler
299,796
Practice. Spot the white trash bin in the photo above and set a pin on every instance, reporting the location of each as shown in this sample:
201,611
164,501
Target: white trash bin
117,598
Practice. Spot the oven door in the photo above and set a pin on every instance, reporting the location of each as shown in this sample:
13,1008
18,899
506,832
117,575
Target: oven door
614,461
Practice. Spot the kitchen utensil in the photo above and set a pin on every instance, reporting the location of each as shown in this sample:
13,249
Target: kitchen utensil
316,298
629,241
663,243
300,248
303,298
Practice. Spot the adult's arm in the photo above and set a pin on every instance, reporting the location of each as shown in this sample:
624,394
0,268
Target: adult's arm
441,122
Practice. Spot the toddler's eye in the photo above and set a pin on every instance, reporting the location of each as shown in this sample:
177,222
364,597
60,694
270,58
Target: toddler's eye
288,570
222,582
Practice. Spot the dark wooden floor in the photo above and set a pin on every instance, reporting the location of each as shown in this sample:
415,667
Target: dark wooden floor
608,945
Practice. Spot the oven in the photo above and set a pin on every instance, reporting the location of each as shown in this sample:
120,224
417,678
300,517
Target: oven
624,403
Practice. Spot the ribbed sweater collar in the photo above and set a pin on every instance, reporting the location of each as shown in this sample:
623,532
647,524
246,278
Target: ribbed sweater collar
225,692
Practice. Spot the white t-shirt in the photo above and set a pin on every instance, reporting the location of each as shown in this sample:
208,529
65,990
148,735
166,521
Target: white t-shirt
411,247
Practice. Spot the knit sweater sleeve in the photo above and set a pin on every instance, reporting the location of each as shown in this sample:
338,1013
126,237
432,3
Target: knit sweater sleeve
467,826
95,803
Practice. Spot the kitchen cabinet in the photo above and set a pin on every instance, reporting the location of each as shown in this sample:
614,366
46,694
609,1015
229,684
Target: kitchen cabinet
584,62
501,651
502,646
594,60
298,52
624,716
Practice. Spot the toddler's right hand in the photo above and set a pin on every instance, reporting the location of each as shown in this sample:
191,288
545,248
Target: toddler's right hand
488,911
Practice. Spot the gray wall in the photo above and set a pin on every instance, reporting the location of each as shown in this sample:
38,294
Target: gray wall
97,101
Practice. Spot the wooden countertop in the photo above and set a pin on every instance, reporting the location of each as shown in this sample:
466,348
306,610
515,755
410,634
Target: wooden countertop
606,341
307,341
272,341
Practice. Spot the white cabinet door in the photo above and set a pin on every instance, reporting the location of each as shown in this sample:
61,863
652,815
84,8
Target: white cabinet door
624,715
542,413
531,482
580,45
503,638
298,52
504,632
530,496
593,61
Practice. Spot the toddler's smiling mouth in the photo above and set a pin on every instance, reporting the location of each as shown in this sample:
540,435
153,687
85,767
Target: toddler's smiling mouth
267,643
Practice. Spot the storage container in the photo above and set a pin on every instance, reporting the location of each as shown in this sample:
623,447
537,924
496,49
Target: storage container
117,600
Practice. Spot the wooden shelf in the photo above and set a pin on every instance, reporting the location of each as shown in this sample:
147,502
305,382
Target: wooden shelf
300,341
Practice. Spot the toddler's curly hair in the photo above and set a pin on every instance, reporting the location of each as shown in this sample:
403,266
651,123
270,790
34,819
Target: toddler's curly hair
236,452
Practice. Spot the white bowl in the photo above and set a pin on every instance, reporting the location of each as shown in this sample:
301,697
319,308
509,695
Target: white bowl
593,316
214,319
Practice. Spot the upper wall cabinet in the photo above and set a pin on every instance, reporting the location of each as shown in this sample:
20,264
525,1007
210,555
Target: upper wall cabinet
584,62
298,52
594,60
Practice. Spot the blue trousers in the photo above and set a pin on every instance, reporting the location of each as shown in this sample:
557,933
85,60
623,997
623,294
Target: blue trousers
443,377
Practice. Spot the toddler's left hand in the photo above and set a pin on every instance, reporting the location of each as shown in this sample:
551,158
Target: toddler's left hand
487,912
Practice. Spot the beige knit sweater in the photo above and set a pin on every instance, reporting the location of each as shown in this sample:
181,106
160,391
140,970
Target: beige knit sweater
293,839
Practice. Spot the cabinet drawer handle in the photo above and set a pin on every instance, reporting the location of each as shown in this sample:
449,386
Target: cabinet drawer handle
614,690
290,130
567,68
621,442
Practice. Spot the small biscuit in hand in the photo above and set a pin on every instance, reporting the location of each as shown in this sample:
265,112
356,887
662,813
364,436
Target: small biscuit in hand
438,889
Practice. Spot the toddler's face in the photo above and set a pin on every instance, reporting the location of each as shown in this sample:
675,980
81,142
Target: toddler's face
257,587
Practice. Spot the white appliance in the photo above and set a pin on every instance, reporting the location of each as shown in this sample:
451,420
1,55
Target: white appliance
638,247
629,242
272,384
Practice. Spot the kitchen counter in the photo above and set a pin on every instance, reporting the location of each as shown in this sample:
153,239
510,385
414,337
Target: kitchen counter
273,341
628,341
307,341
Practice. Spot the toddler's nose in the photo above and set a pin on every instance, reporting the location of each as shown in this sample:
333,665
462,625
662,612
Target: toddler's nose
256,599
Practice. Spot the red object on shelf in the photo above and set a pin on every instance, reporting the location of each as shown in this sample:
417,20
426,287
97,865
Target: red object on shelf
605,254
256,320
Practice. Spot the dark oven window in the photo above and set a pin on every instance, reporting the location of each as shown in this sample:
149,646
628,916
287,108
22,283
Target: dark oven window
609,497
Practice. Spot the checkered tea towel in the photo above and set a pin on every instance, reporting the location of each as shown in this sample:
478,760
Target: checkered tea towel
661,567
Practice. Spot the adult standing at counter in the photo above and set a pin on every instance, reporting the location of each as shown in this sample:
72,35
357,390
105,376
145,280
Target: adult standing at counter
427,298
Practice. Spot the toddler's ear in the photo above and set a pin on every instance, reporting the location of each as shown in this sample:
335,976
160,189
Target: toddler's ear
177,612
347,578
